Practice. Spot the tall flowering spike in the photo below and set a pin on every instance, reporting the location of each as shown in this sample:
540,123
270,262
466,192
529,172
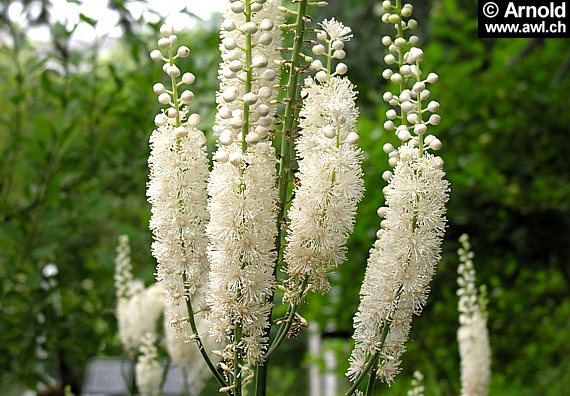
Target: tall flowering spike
148,369
123,269
329,181
242,185
472,335
404,257
178,180
137,308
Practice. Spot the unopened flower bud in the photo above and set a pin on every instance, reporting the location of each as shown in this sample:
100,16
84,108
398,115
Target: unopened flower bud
407,106
415,55
435,144
266,24
164,43
229,25
387,96
188,78
386,40
418,87
388,148
173,39
420,129
391,114
166,30
400,42
173,71
413,39
235,66
229,43
322,76
164,98
404,135
396,78
259,61
352,138
407,10
156,55
183,51
389,125
392,161
316,65
249,28
180,132
341,69
434,119
229,95
171,112
432,78
394,18
249,98
387,175
252,138
412,24
221,156
329,131
387,73
158,88
339,54
412,118
318,49
433,106
387,5
265,39
194,119
389,59
226,137
269,75
264,92
237,7
337,45
160,120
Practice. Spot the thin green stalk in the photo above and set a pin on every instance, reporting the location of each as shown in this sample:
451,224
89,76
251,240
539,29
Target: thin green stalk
289,123
197,338
371,382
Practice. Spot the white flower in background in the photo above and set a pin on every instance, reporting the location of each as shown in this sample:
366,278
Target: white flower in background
242,184
148,371
178,178
137,308
329,185
417,385
472,335
402,261
138,315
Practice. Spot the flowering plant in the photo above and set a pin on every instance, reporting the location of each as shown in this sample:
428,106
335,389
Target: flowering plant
226,239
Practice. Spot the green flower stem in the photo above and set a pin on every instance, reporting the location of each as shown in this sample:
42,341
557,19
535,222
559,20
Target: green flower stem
284,175
284,328
174,89
371,382
197,338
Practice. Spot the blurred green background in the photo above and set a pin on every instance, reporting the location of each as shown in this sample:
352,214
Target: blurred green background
74,128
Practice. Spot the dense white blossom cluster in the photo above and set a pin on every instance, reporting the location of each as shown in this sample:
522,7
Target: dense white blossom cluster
329,184
178,179
402,261
148,371
404,257
242,184
472,335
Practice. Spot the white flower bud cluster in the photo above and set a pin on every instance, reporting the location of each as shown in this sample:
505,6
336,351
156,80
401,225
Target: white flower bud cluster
177,187
402,261
242,186
411,113
472,335
332,38
246,90
330,185
176,114
148,368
